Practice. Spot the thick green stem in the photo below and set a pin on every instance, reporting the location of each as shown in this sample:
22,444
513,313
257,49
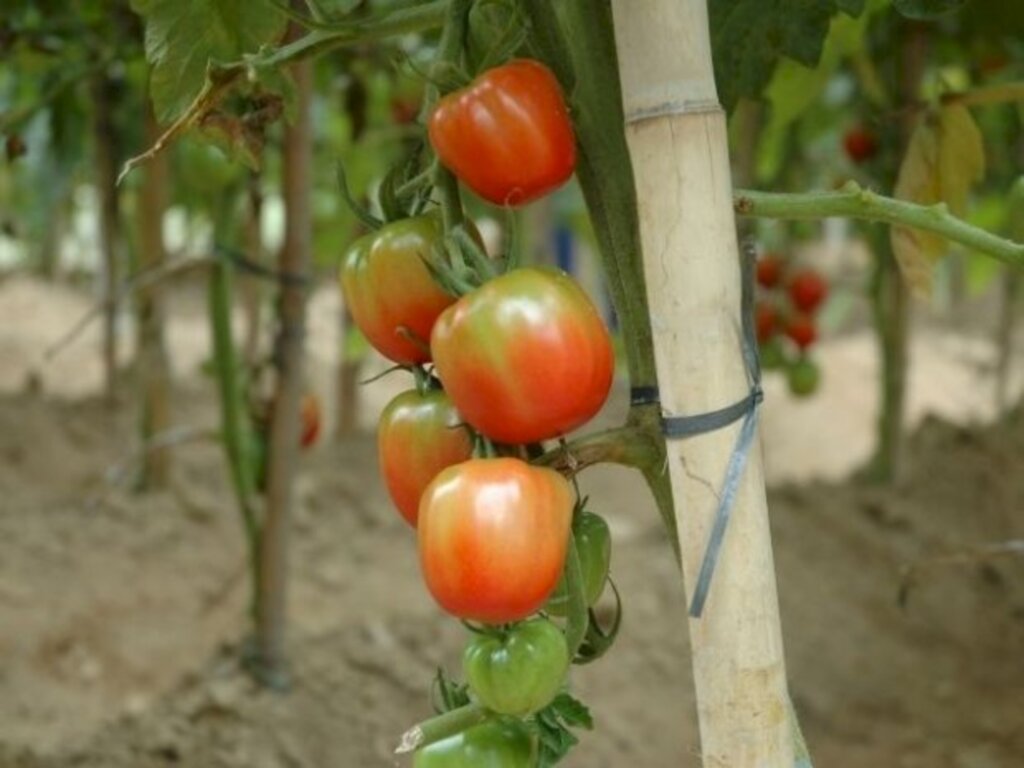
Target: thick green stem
237,431
630,446
605,174
441,727
857,203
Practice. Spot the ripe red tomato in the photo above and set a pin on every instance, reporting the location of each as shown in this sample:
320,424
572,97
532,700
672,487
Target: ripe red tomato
507,135
418,436
769,270
390,291
310,411
526,357
493,534
860,143
801,330
767,321
807,290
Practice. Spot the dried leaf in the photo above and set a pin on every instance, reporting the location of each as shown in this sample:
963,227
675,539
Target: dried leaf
961,156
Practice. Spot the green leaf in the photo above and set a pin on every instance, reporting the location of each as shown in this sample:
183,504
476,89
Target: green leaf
184,36
552,725
749,37
926,9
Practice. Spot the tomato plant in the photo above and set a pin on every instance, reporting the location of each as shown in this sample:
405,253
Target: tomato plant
498,743
311,419
493,535
801,330
526,357
418,435
769,270
594,547
807,290
507,135
803,377
389,290
519,670
860,143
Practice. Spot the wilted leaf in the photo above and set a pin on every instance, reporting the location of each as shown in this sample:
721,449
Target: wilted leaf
945,158
184,36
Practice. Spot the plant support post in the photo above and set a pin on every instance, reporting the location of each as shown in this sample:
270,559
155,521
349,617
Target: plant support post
676,132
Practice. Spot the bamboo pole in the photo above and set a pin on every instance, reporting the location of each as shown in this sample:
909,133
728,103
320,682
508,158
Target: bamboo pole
676,133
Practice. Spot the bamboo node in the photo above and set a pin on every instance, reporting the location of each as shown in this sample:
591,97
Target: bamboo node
669,108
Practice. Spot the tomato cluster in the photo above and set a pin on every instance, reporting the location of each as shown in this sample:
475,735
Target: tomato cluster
788,300
504,358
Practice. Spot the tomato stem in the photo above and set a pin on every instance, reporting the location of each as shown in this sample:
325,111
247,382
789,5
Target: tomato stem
441,727
631,446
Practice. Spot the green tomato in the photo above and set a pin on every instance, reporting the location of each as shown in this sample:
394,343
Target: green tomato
594,547
803,377
518,671
773,356
499,743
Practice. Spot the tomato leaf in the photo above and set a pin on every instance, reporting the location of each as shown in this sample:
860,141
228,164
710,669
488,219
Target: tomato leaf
926,9
944,159
552,725
749,37
184,36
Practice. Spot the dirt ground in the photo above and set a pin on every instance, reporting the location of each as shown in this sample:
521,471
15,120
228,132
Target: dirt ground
121,614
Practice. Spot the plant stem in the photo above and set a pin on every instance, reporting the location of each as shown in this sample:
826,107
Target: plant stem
857,203
630,446
441,727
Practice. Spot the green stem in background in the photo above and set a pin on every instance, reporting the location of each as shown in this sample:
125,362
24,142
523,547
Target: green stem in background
605,174
857,203
441,727
237,431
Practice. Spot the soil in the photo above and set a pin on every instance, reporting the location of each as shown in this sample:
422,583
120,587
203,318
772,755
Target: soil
123,613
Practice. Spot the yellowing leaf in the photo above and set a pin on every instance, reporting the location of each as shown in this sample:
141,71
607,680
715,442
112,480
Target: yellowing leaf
961,156
945,158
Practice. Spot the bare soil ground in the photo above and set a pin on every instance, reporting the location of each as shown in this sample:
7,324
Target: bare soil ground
121,614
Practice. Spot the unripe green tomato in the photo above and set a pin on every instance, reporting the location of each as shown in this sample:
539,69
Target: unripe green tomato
519,671
594,547
803,377
500,743
773,356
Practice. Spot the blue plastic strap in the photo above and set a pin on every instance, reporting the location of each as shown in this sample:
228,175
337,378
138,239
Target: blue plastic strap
747,409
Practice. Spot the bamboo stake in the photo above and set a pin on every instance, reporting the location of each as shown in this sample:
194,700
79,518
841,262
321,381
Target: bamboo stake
676,133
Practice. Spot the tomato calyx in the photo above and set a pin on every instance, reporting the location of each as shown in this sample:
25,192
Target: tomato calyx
598,641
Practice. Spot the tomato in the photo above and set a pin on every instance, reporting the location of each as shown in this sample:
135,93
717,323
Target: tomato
390,291
769,270
498,743
861,144
594,547
507,135
807,290
803,377
766,318
418,435
493,534
310,411
772,355
519,671
526,357
801,330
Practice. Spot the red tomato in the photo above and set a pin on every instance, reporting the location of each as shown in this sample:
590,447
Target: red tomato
801,330
860,144
417,437
807,290
310,419
493,534
767,321
526,357
769,270
507,135
390,291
